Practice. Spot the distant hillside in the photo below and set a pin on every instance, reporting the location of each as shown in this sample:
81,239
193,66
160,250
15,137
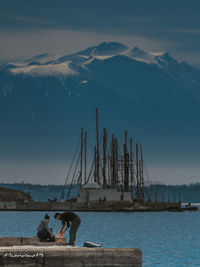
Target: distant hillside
7,194
38,192
188,193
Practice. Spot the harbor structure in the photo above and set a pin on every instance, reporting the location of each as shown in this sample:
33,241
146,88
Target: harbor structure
116,172
114,181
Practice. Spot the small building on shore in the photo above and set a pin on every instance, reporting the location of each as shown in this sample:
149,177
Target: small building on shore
92,192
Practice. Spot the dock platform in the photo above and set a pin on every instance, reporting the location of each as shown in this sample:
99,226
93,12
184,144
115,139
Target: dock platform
13,254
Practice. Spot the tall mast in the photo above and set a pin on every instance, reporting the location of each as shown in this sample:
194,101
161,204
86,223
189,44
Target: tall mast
126,164
112,163
95,164
109,170
85,141
81,162
104,157
116,162
97,148
141,173
137,172
126,136
131,162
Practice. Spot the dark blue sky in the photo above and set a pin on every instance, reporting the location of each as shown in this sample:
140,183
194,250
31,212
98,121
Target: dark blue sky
31,27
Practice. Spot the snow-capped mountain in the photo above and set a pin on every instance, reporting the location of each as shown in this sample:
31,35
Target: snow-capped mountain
45,64
115,57
49,97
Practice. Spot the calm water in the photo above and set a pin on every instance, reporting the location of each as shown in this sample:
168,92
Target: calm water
166,239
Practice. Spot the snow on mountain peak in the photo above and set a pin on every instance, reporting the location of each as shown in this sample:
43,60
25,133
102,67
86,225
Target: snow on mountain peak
166,57
46,69
140,55
136,51
157,54
45,64
109,48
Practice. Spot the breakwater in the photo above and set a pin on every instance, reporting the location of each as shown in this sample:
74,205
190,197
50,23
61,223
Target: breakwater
93,206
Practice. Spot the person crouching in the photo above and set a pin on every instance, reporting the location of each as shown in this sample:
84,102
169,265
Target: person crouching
44,232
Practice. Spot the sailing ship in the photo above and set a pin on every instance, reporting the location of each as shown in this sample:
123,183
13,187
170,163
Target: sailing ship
116,173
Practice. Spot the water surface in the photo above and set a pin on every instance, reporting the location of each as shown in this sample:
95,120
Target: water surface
165,238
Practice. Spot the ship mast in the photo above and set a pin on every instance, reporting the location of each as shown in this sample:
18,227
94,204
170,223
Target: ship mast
85,141
141,173
126,164
137,173
97,148
120,169
131,163
104,157
81,161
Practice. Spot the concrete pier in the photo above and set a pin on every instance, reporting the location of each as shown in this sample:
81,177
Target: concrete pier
70,257
57,256
28,241
95,206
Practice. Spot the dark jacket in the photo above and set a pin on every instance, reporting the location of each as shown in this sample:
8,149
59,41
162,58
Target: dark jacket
44,225
68,217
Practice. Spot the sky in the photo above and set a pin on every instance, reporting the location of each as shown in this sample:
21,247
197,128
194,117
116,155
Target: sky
29,28
32,27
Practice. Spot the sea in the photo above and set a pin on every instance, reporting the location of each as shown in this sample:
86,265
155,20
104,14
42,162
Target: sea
165,238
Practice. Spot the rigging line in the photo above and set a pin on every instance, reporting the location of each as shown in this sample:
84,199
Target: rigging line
100,143
62,195
73,180
74,183
91,169
73,176
91,142
72,162
89,128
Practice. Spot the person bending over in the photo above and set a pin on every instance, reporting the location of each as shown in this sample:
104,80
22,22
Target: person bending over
66,218
44,232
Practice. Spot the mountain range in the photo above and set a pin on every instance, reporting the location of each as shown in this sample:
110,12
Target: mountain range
45,100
